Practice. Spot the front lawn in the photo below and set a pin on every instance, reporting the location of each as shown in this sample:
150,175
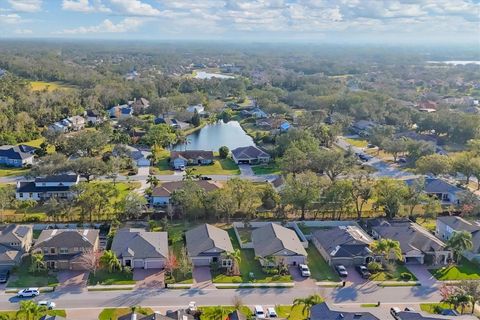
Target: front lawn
219,166
22,278
357,142
248,266
291,313
103,277
395,275
12,315
212,313
465,271
271,168
115,313
319,268
435,308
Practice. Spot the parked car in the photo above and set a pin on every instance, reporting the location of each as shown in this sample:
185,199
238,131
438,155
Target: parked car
409,309
370,146
50,305
259,313
4,274
205,178
342,271
363,157
402,160
395,311
363,271
30,292
450,312
271,313
304,270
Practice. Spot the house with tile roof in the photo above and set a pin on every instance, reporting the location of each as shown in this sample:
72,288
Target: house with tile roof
274,244
140,249
207,244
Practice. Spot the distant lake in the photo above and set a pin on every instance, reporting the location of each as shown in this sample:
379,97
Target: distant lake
456,62
213,136
207,75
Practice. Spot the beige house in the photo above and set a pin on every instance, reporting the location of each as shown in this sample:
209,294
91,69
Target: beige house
63,248
15,242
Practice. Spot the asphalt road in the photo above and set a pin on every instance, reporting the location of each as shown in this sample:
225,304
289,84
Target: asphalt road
367,293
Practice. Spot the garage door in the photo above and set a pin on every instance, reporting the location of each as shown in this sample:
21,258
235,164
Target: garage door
138,264
201,262
154,264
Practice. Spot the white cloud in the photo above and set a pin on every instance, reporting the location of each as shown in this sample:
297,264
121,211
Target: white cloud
134,8
23,31
84,6
26,5
11,18
107,26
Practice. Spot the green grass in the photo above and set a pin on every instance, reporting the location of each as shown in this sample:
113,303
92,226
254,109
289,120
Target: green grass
21,278
291,313
248,264
271,168
12,315
369,305
359,143
465,271
105,278
220,166
393,276
36,144
163,165
319,268
50,86
431,307
12,171
208,312
175,236
114,313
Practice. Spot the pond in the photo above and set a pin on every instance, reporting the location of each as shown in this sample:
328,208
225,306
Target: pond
213,136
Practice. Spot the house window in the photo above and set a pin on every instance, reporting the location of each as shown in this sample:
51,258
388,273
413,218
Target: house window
20,195
63,250
227,263
215,259
30,195
45,250
53,250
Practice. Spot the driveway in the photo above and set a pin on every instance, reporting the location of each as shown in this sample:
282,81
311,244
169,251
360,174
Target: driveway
355,277
149,278
72,281
202,278
300,281
423,275
246,170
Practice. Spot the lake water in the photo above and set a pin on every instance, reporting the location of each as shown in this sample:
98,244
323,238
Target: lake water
456,62
213,136
207,75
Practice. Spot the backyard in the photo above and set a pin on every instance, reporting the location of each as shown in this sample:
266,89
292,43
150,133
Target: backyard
250,268
466,270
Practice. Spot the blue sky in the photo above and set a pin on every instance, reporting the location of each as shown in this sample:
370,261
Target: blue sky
440,21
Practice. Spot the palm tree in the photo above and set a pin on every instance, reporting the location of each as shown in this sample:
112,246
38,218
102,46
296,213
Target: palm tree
37,263
307,303
30,308
459,242
387,248
152,180
236,256
110,261
463,301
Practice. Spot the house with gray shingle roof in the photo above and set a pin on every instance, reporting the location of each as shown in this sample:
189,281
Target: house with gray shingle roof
274,244
15,242
445,192
15,156
250,155
323,311
207,244
417,244
345,245
448,225
63,248
139,249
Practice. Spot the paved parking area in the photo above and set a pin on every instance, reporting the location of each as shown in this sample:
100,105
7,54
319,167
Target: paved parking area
72,281
202,278
354,276
300,281
423,275
149,278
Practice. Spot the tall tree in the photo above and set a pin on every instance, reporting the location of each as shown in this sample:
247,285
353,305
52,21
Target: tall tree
362,191
307,303
331,162
459,242
390,195
110,261
434,164
387,248
302,190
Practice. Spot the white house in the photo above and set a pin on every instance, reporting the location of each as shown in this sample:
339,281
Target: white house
43,188
198,107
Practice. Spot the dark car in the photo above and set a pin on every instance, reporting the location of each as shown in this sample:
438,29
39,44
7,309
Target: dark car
363,157
4,274
363,271
205,178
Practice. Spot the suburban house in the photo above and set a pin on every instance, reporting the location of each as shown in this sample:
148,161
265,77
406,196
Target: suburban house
448,225
139,105
418,245
273,123
250,155
22,148
417,136
284,126
346,245
15,241
258,113
170,315
207,244
78,122
139,157
13,156
172,122
362,127
43,188
161,194
94,117
278,183
121,111
445,192
322,311
137,248
200,109
62,248
179,160
52,317
274,244
58,127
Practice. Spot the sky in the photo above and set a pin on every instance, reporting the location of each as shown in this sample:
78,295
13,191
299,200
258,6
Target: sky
384,21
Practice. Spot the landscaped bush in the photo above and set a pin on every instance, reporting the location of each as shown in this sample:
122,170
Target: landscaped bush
374,267
406,276
270,271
